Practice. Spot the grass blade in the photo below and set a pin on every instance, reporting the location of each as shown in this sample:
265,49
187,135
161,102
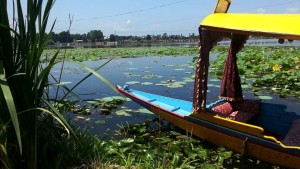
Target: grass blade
57,115
10,105
97,75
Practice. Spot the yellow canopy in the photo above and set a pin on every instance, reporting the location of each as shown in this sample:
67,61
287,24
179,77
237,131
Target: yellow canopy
281,26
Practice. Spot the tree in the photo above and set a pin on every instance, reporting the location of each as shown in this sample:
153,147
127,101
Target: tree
165,36
148,37
54,36
96,36
112,38
64,37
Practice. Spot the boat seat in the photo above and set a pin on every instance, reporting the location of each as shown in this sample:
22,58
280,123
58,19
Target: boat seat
242,111
293,136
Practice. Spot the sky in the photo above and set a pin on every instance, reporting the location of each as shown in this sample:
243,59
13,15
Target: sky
153,17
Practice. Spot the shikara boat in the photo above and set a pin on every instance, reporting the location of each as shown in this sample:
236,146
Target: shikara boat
261,130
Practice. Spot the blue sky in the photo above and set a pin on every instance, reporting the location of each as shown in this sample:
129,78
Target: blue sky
142,17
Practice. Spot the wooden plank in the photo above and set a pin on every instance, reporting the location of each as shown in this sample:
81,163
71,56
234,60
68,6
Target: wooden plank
222,6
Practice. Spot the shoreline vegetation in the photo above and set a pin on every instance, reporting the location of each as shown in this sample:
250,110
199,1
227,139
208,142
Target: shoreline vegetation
95,54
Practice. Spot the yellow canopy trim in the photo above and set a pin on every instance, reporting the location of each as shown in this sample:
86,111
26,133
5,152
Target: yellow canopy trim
281,26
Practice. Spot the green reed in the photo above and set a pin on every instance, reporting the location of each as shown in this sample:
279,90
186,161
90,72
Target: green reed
23,77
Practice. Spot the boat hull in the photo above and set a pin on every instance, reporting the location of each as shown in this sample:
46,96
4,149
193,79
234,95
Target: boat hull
267,150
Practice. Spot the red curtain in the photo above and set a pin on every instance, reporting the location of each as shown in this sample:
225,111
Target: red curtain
231,88
207,41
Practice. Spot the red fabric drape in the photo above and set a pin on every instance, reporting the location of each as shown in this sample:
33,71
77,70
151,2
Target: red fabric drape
207,41
231,88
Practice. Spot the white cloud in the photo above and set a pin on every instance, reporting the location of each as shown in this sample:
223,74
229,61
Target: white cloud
292,10
128,21
261,10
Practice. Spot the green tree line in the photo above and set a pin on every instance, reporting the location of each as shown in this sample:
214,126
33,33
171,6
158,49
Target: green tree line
98,36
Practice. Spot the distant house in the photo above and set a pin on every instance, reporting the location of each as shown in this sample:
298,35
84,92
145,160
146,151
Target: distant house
111,43
78,43
99,44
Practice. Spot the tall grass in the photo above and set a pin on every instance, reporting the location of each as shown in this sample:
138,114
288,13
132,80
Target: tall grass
23,79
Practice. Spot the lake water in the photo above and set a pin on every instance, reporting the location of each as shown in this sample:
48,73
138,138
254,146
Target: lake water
169,76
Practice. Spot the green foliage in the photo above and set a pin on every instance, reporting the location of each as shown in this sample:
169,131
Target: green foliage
273,68
107,104
152,145
22,43
82,54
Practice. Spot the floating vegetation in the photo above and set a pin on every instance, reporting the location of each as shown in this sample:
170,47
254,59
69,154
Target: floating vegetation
84,110
107,104
265,97
146,83
174,85
100,121
149,76
269,67
132,82
83,118
153,145
245,86
122,112
188,79
179,69
161,84
131,68
144,110
95,54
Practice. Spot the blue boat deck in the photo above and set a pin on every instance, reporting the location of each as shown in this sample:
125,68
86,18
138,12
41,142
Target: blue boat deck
180,107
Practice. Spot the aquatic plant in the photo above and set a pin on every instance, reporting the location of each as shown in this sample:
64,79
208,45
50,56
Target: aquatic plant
84,54
273,68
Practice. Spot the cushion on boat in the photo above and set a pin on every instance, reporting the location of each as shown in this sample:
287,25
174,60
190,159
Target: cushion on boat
241,116
224,108
293,136
247,105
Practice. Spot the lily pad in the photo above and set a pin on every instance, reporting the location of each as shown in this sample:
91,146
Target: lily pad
187,79
122,113
161,84
132,82
179,69
100,121
265,97
245,86
180,82
175,85
131,68
146,83
148,76
143,110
